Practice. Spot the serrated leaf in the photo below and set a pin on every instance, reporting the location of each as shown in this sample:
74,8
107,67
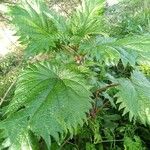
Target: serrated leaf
49,101
111,50
86,19
134,97
43,30
34,28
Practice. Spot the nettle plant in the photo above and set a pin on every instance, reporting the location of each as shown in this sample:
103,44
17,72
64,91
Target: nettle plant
55,97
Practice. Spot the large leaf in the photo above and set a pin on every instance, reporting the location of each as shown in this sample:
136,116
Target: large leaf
134,97
48,101
35,29
129,50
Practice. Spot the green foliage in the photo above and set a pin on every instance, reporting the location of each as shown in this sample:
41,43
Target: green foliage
129,17
35,28
88,73
44,30
87,20
111,50
58,97
9,70
134,97
130,144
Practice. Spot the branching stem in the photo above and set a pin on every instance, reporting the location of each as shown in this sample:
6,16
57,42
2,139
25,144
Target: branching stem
95,109
106,87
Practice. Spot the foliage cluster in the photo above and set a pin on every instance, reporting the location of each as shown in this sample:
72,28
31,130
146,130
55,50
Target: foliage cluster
85,93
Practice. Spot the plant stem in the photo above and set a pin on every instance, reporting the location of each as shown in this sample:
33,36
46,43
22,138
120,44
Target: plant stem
106,141
95,109
106,87
3,98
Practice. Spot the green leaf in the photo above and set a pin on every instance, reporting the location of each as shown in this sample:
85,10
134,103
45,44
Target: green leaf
111,50
134,97
35,29
49,101
43,30
87,19
26,141
130,144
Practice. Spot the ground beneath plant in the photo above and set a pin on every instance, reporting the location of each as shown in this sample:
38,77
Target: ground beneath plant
8,42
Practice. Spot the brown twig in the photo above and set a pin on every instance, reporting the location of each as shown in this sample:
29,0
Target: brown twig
106,87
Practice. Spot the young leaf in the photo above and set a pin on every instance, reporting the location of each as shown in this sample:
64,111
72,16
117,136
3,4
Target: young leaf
87,19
